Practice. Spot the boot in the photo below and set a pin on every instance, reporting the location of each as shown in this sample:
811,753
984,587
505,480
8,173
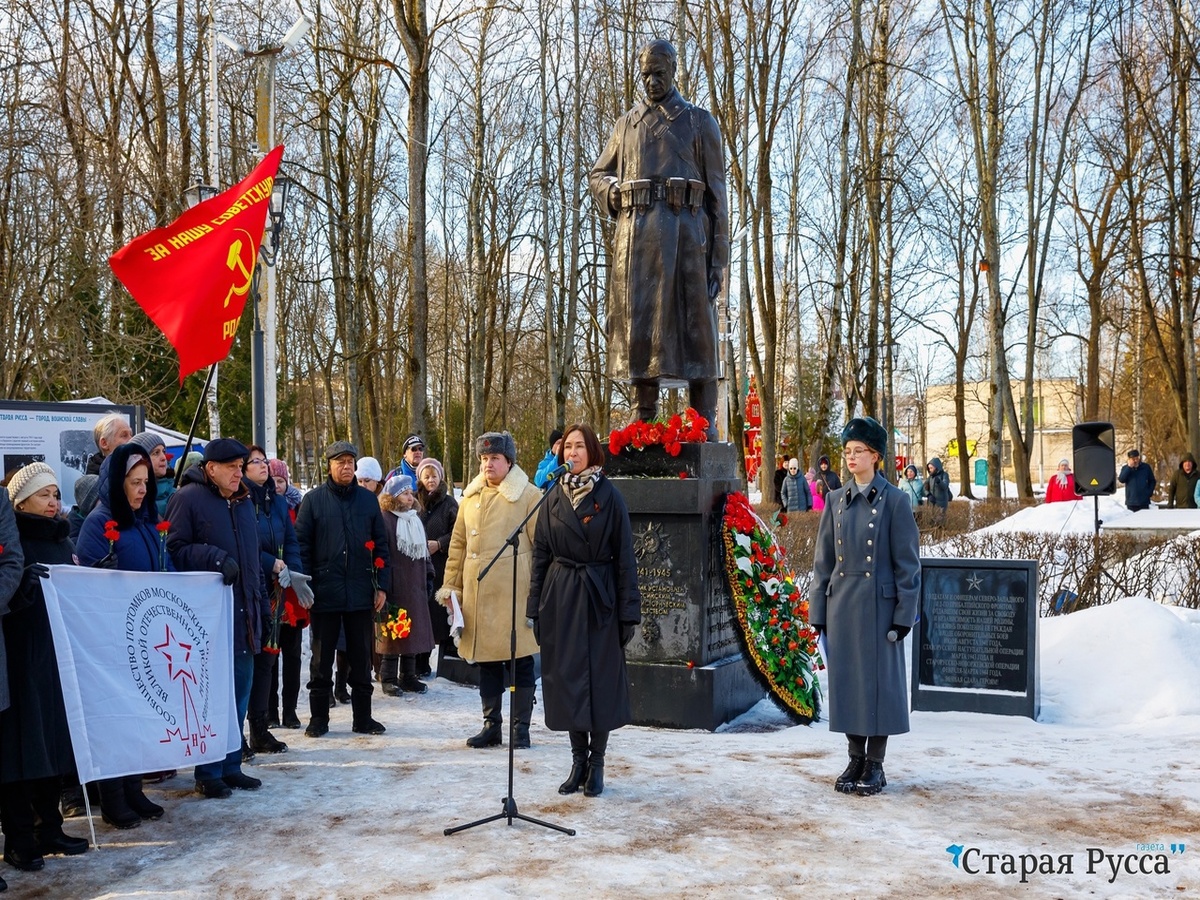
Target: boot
846,781
363,723
409,682
290,719
389,674
423,667
579,753
247,750
339,679
318,721
114,808
647,400
522,713
872,780
138,801
594,780
261,739
490,735
71,801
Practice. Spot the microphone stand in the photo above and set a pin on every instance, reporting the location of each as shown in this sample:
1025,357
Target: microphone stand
509,804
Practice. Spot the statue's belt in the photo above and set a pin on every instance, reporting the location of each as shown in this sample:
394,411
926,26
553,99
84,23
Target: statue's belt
676,192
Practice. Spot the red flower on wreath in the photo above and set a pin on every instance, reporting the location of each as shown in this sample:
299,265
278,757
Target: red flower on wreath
691,427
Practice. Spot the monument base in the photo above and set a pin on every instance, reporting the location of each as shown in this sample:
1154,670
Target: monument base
670,695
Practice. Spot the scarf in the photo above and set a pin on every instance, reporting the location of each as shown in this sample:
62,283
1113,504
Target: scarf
410,535
578,486
1062,478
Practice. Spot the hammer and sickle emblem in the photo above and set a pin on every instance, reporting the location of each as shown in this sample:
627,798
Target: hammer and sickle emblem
236,263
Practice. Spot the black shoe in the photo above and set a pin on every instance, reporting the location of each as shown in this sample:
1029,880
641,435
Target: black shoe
242,781
575,779
215,788
62,843
290,720
411,684
317,727
341,694
391,689
70,801
369,727
247,751
594,784
143,805
872,780
123,819
489,736
25,860
261,739
521,737
845,782
272,720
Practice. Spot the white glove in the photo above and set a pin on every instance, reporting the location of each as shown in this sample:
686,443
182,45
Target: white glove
304,593
285,577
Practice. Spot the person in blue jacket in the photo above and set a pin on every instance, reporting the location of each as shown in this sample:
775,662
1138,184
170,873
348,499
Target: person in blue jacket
127,491
550,461
213,530
279,556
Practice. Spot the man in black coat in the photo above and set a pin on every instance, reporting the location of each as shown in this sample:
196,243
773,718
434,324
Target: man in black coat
213,530
344,547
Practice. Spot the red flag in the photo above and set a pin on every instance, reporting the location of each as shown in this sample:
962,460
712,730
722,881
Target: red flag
193,277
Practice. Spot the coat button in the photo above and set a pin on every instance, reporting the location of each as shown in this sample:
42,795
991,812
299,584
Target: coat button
868,543
868,574
868,559
870,524
874,512
473,531
841,559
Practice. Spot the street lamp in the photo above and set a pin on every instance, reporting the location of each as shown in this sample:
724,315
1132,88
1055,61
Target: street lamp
264,372
892,350
258,344
198,193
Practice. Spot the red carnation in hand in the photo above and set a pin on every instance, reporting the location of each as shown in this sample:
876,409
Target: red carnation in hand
370,545
378,563
111,523
163,527
112,535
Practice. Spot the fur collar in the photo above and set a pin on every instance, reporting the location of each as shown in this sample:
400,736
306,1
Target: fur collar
510,488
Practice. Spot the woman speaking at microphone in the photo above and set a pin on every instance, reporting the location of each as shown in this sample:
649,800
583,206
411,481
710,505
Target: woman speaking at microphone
866,587
584,602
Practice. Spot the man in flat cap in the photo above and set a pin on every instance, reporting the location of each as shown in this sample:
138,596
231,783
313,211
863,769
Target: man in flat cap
213,530
1138,478
662,178
344,545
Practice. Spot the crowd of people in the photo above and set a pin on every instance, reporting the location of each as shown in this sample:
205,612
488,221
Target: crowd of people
346,561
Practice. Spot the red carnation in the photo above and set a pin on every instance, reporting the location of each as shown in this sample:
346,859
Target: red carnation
111,523
378,563
370,545
163,527
112,534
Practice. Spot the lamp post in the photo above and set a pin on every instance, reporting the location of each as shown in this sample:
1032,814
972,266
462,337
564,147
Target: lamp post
264,433
892,352
264,370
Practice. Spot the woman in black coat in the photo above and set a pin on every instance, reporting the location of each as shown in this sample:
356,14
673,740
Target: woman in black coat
584,601
35,743
439,509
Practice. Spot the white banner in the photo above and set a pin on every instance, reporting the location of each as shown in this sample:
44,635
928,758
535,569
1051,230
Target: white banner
146,661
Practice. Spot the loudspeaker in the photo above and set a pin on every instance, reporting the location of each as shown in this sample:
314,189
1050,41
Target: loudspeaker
1094,444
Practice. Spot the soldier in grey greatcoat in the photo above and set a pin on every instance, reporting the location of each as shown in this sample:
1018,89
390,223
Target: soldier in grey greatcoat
865,596
662,177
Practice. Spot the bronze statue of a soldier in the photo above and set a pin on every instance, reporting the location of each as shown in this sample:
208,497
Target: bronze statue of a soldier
662,177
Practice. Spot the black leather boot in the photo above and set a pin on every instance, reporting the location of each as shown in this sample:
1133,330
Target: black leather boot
389,674
114,808
846,781
409,682
522,713
872,780
340,693
493,719
137,800
579,754
318,705
360,702
261,739
594,783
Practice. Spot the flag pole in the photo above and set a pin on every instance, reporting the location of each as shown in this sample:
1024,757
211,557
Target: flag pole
187,447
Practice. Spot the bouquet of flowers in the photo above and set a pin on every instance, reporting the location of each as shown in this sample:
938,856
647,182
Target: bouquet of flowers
670,433
772,616
396,624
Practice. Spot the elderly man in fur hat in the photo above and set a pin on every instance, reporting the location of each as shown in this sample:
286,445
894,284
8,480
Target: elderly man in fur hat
492,507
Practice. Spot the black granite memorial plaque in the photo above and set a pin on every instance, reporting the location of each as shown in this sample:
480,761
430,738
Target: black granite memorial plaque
685,666
975,646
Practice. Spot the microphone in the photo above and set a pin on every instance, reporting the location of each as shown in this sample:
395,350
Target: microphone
556,473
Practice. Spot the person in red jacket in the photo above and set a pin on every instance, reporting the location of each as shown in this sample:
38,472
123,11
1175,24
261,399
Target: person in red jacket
1062,484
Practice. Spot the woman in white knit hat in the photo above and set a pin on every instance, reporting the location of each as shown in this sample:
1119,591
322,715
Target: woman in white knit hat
35,743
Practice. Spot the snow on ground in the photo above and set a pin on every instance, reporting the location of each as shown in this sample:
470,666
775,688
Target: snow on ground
748,811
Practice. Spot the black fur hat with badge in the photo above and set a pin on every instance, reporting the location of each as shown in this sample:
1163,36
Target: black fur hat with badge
867,430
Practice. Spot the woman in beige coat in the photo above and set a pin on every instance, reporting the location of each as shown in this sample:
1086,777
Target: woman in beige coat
492,506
